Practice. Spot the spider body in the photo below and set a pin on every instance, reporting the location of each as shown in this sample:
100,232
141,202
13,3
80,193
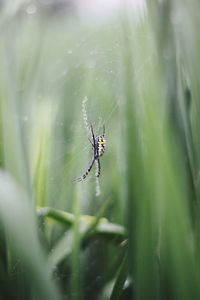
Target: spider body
99,147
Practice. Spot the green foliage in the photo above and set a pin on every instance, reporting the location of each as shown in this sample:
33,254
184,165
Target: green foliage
140,238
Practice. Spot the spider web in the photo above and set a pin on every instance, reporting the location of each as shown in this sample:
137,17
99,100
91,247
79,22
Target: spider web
101,66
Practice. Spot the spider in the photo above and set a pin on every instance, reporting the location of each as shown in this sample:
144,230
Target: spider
99,147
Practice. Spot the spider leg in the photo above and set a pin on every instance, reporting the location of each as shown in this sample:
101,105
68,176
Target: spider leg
94,142
93,137
98,171
91,142
86,173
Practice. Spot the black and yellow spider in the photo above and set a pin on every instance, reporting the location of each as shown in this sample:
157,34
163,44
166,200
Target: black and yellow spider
99,147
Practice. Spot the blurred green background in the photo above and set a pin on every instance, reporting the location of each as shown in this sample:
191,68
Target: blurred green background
138,65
